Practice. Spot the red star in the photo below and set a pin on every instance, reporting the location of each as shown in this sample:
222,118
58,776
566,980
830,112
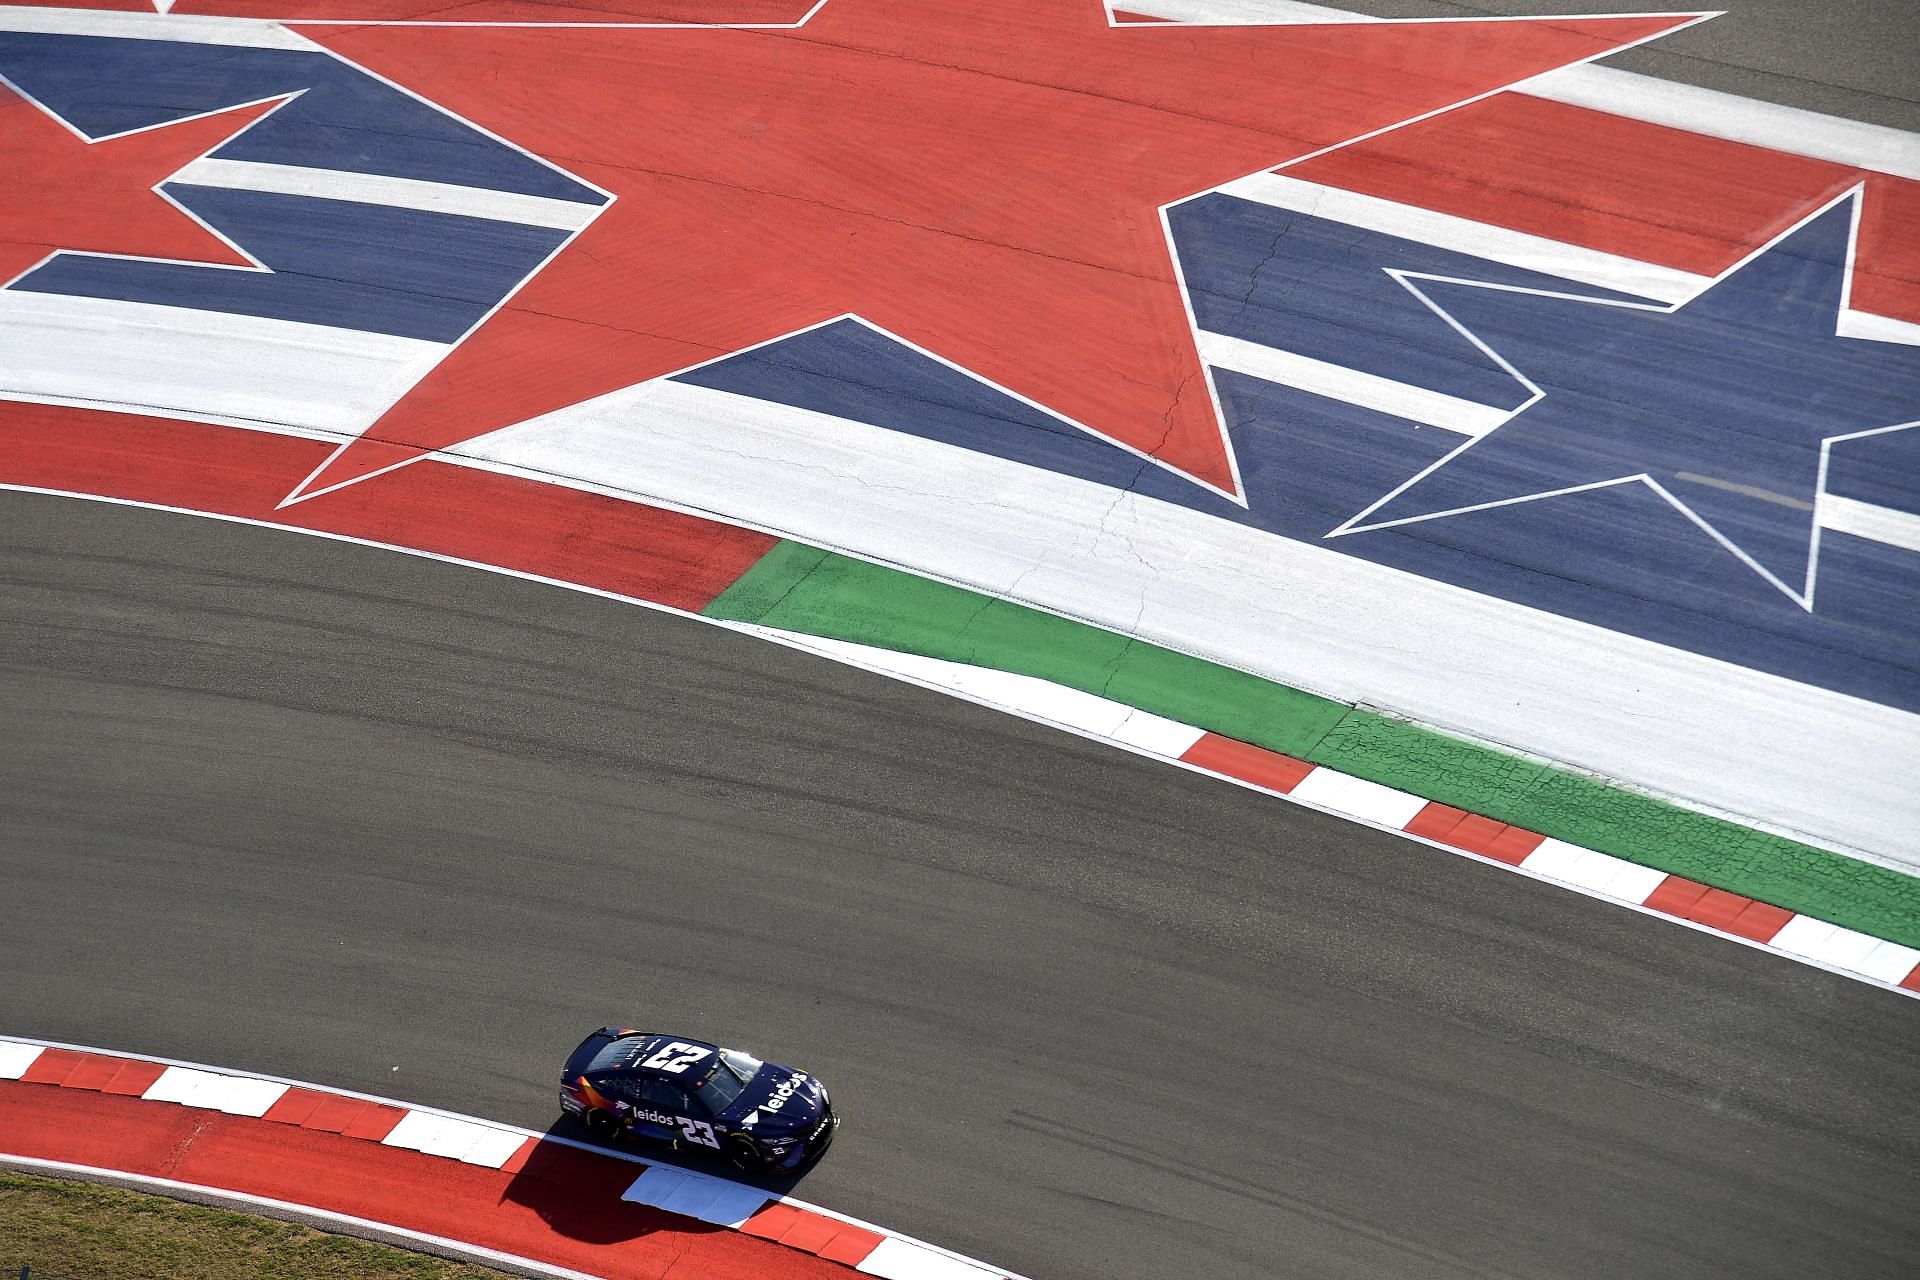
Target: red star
982,178
99,196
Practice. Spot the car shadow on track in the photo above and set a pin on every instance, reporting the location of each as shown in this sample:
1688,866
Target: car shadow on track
578,1193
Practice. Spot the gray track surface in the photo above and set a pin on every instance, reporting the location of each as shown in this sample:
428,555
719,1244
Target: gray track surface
349,816
340,814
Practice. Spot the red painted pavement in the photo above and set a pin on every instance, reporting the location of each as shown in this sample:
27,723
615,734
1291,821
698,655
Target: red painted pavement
524,525
543,1214
99,196
1622,186
980,177
1247,762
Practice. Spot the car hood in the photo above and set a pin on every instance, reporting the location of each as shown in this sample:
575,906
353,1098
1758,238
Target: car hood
777,1100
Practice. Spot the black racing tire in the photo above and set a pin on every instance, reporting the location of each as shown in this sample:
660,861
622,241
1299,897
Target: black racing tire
746,1154
601,1126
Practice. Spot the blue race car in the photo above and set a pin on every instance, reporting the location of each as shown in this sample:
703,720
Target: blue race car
766,1118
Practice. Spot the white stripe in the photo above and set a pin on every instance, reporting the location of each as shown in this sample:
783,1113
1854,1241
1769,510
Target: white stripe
1864,520
397,193
1827,943
1736,119
1626,93
107,354
1233,13
1369,391
1028,695
17,1058
455,1139
1672,722
243,33
1463,235
1596,872
234,1095
1358,798
897,1259
1889,962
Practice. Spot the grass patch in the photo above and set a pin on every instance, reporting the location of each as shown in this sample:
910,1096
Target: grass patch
84,1230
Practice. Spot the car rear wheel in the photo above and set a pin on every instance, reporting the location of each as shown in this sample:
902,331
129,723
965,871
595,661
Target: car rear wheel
601,1126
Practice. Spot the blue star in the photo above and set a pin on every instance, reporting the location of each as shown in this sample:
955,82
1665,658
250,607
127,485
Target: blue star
1725,405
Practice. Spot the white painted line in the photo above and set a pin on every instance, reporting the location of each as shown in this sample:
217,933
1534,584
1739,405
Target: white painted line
179,1084
1233,13
1572,864
397,193
1157,735
1634,883
1827,943
214,1091
1889,962
495,1147
655,1185
1462,235
243,33
1736,119
1369,391
692,1198
104,354
897,1259
1029,695
469,1141
1864,520
1803,936
733,1205
1358,798
17,1058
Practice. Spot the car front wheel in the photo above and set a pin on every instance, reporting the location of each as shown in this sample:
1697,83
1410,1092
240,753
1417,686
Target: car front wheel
746,1154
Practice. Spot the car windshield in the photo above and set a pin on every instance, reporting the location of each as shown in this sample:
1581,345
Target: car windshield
728,1077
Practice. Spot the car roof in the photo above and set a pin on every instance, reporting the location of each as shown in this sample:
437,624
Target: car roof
626,1053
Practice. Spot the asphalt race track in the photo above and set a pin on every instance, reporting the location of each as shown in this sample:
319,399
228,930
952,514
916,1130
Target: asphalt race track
323,811
302,807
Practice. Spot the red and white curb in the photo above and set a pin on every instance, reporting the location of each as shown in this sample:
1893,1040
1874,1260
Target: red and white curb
622,1178
1588,871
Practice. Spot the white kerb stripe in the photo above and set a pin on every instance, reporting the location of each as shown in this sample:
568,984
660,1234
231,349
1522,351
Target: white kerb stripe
1889,962
1827,943
1336,382
466,1140
17,1059
397,193
896,1259
733,1205
1358,798
494,1148
655,1185
694,1197
234,1095
1157,734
